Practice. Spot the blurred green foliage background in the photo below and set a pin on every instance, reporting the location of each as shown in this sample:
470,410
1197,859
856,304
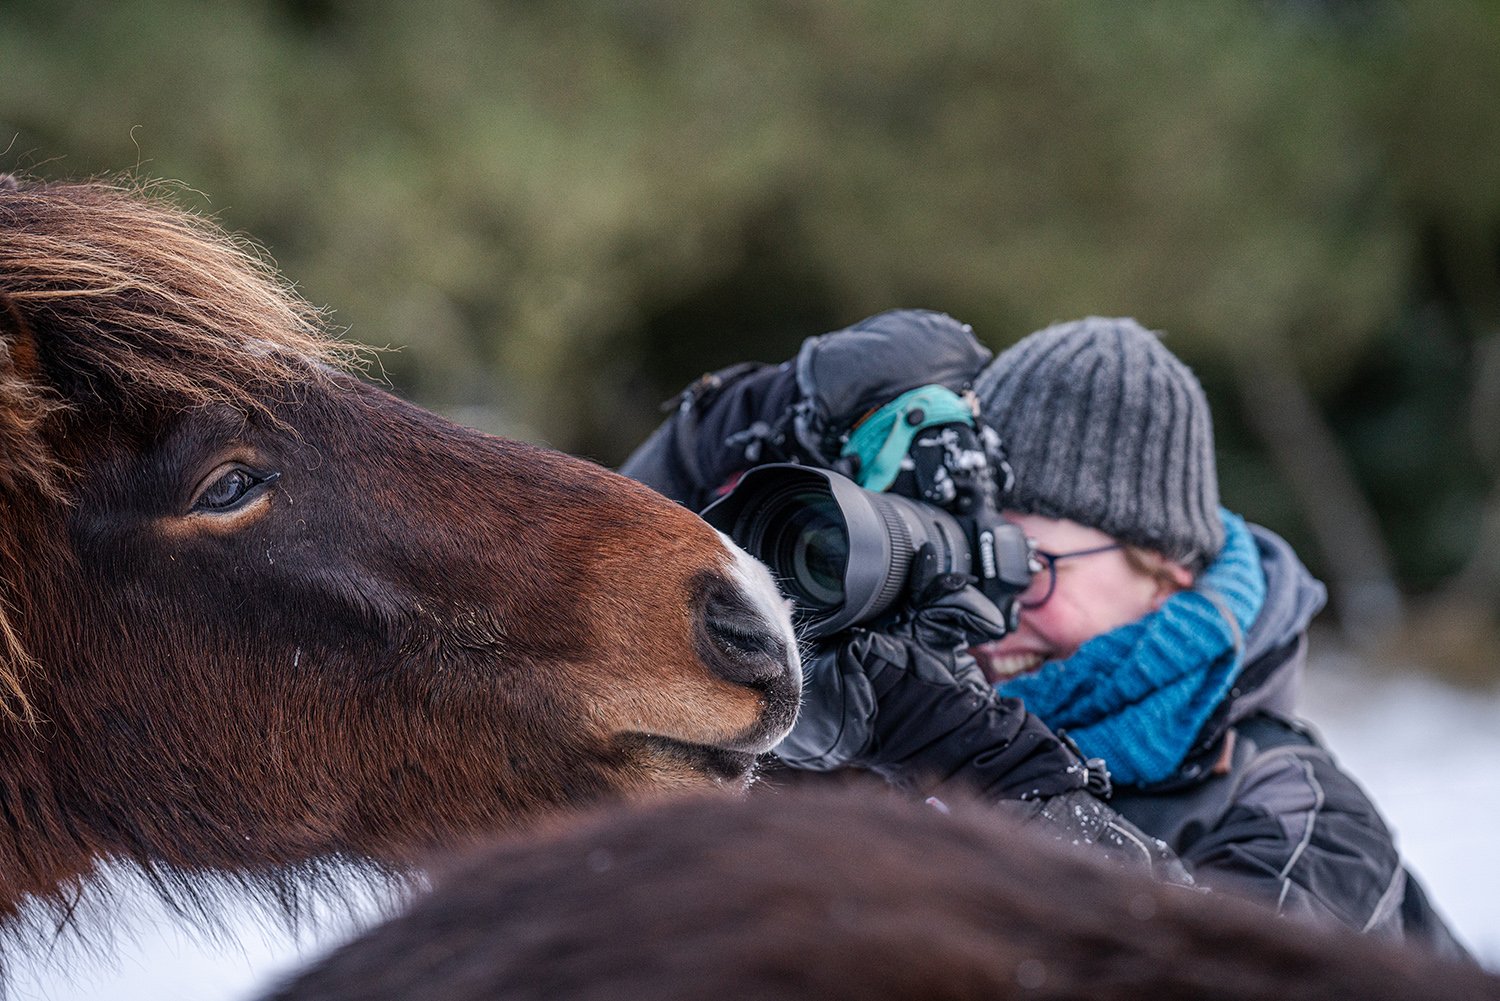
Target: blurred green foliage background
564,212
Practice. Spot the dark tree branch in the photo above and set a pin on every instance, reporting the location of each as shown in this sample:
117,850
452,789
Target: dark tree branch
1278,405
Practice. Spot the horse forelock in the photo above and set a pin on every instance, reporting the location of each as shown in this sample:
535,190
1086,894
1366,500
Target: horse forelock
149,305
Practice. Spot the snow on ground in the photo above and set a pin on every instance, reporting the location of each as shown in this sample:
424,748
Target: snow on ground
1429,754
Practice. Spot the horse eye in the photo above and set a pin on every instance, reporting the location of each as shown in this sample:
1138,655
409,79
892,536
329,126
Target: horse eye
230,489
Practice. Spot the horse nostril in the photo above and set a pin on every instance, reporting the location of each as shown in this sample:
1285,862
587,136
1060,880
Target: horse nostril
741,645
744,635
746,639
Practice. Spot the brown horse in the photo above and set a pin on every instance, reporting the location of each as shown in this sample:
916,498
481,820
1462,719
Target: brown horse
257,614
846,897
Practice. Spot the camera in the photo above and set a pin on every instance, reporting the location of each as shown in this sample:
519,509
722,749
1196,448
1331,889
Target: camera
844,554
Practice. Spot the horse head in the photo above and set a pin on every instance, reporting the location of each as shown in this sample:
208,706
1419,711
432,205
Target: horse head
255,611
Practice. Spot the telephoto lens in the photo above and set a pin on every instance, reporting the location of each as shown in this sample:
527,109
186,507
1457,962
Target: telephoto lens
843,553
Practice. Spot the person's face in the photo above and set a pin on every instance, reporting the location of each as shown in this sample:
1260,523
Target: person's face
1094,594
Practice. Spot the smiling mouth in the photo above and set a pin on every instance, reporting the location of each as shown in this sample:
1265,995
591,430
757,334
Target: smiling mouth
1003,667
717,763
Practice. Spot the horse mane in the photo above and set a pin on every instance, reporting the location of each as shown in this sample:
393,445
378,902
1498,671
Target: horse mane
844,894
143,305
309,899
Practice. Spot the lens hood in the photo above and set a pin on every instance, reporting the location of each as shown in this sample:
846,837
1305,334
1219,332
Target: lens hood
841,552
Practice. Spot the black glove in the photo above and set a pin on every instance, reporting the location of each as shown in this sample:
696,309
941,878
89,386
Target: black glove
909,703
835,727
1080,818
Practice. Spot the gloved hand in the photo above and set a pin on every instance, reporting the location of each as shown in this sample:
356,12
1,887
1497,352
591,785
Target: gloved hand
835,727
909,703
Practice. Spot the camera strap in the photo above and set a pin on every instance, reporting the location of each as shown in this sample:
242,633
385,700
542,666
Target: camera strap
883,440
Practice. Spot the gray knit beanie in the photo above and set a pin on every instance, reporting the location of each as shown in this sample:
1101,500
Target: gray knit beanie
1106,427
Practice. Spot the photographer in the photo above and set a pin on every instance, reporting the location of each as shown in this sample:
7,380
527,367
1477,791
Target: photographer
900,696
1161,634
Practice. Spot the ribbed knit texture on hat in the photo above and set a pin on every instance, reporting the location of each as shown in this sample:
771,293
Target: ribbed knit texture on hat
1106,427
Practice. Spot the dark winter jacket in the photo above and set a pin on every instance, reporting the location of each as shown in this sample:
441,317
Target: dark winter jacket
1262,808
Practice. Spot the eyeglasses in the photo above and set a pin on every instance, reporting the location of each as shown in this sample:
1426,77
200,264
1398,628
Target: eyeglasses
1042,586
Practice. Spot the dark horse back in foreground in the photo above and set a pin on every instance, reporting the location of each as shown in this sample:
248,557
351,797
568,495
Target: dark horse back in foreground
847,897
256,614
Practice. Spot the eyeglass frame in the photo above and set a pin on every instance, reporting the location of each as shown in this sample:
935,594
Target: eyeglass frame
1050,562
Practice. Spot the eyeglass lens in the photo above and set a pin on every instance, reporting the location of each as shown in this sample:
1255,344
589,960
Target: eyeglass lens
1044,581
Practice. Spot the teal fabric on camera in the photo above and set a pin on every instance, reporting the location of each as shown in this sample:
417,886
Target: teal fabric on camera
882,440
1138,695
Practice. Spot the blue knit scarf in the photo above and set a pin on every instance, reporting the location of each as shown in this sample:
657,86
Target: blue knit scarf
1138,695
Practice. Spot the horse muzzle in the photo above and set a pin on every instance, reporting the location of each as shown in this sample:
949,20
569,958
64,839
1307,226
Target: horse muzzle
744,635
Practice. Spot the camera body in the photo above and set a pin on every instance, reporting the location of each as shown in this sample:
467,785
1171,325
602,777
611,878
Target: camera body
846,554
